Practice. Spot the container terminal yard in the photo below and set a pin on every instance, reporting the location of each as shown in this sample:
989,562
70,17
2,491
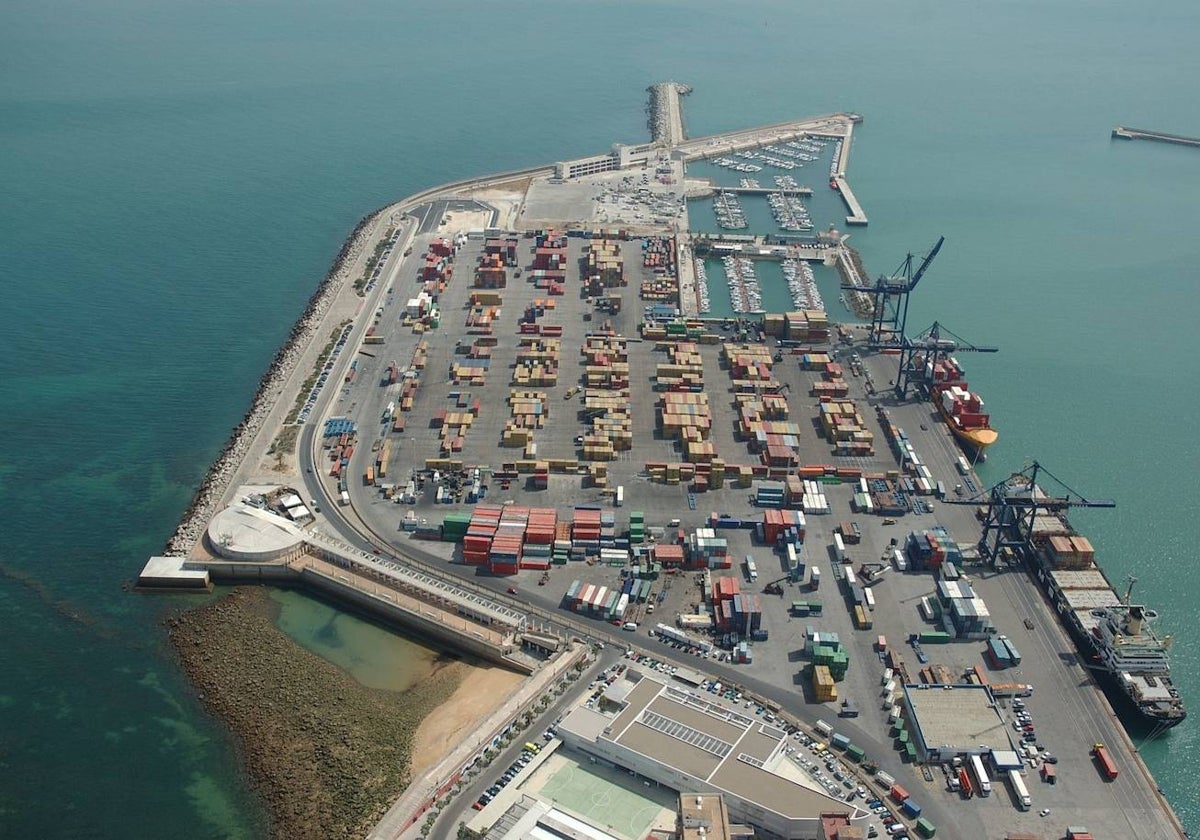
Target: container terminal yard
804,610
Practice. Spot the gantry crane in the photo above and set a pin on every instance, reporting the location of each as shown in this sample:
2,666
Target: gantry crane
933,345
890,313
1013,505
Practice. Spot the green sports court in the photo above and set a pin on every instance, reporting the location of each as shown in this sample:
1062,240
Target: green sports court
606,799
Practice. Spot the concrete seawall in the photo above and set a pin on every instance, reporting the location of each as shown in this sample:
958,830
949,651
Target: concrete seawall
1123,133
357,591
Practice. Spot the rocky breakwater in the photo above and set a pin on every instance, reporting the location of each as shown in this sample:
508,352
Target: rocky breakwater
658,114
216,482
326,755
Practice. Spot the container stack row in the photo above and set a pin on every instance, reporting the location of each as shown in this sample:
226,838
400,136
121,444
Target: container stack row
706,550
658,255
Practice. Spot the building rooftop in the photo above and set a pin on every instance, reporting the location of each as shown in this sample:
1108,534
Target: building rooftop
244,532
703,816
695,734
960,717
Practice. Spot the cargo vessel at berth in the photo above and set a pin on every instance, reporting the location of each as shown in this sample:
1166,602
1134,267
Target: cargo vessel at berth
1114,633
963,412
959,407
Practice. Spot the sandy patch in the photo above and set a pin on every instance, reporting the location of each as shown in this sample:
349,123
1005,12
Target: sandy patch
480,692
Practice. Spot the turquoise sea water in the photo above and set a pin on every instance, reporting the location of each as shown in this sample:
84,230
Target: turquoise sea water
178,175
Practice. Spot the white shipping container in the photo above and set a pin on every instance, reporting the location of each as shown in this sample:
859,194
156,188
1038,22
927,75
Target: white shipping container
869,596
824,728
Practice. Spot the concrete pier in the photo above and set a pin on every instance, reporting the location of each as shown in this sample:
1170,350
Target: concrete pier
832,126
857,216
804,191
1123,133
758,248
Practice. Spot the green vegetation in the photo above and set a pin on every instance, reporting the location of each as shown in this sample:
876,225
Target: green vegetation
307,387
373,260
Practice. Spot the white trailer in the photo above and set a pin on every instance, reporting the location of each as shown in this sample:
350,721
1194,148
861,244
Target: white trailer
981,776
1019,789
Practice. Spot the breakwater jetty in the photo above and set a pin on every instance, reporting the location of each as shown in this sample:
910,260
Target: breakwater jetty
212,490
665,113
1123,133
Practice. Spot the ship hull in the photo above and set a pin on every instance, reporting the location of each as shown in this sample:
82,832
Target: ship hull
973,441
1134,715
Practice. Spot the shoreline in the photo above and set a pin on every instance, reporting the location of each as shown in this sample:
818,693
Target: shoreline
324,755
215,483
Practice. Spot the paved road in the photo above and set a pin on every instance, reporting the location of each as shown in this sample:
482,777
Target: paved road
461,810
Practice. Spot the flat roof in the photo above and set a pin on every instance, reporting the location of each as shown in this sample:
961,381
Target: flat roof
705,810
957,716
243,530
697,735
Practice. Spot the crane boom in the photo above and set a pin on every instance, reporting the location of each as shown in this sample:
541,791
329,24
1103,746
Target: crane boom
916,278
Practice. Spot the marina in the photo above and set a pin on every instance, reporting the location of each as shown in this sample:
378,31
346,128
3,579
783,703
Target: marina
728,211
789,211
745,295
802,285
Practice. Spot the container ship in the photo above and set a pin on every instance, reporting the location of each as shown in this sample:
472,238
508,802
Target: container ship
961,408
963,412
1113,632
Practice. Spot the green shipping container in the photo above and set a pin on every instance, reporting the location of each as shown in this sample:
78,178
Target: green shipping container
856,752
814,607
925,828
934,637
910,751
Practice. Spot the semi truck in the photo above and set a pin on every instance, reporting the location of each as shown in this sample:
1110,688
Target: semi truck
1104,760
1019,790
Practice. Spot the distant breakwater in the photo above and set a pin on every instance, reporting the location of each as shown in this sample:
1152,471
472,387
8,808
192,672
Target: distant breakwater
216,481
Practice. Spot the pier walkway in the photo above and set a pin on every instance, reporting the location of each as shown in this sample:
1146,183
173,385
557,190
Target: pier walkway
835,126
804,191
857,215
1123,133
758,248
